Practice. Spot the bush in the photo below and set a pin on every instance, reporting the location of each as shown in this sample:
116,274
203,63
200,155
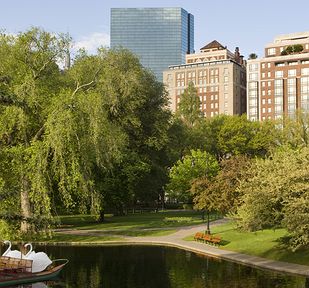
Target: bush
5,231
187,206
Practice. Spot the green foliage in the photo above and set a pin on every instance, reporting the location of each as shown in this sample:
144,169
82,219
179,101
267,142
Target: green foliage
194,165
189,109
292,49
220,193
63,133
252,56
5,230
276,194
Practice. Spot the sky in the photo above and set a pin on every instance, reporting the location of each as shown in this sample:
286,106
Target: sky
249,25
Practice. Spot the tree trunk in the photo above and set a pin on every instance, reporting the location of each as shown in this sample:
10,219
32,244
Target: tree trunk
208,229
25,206
101,216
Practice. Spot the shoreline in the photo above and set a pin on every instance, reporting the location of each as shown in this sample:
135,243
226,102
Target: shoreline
176,240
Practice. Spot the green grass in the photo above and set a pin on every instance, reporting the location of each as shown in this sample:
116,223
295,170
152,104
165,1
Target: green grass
165,219
117,227
82,238
263,243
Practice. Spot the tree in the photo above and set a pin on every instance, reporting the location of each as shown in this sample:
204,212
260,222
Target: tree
295,132
136,103
292,49
54,131
194,165
219,193
252,56
189,109
238,135
274,198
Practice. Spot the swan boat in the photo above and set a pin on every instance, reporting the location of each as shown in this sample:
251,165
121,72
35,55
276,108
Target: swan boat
28,268
15,271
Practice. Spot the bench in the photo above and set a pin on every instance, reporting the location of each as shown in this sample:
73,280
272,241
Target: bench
198,236
207,238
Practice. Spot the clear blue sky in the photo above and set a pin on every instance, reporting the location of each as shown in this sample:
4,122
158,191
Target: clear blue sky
244,23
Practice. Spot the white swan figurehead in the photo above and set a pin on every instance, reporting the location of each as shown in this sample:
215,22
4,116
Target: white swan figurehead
11,253
30,252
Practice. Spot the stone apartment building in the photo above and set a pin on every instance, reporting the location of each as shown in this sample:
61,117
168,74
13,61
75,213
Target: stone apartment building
219,76
278,84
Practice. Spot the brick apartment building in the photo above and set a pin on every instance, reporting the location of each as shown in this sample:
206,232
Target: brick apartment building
278,84
219,76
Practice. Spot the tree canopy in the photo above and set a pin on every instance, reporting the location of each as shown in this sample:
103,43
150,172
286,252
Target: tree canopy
62,132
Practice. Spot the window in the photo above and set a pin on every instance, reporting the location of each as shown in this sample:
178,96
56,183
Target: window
252,85
252,67
226,79
292,72
268,65
212,105
293,63
263,84
269,92
226,87
269,109
268,74
268,83
263,75
226,96
278,74
271,51
263,93
305,71
269,101
263,65
216,105
252,76
263,101
226,70
263,110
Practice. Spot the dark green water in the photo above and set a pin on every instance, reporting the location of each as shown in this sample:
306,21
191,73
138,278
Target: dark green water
157,267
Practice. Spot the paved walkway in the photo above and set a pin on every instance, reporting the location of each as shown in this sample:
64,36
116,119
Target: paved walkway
175,240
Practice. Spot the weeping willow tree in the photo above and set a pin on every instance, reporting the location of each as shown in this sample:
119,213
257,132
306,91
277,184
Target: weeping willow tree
54,130
61,132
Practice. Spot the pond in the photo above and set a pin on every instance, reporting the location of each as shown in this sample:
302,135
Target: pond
157,267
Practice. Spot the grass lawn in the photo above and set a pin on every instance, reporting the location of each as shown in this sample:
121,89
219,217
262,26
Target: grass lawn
140,221
117,227
261,243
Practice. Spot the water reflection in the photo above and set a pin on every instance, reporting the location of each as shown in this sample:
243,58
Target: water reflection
147,267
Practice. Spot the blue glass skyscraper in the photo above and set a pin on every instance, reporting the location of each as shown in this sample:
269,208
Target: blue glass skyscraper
160,37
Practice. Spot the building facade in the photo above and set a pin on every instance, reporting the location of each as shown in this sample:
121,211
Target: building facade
219,76
158,36
278,84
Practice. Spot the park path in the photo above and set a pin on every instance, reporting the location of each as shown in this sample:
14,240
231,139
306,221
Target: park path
176,240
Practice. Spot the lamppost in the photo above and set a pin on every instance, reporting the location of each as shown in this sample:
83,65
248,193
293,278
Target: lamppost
203,212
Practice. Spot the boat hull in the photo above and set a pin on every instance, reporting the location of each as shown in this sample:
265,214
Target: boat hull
7,279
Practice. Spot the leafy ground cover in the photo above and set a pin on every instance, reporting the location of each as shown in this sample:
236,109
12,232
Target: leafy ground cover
263,243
